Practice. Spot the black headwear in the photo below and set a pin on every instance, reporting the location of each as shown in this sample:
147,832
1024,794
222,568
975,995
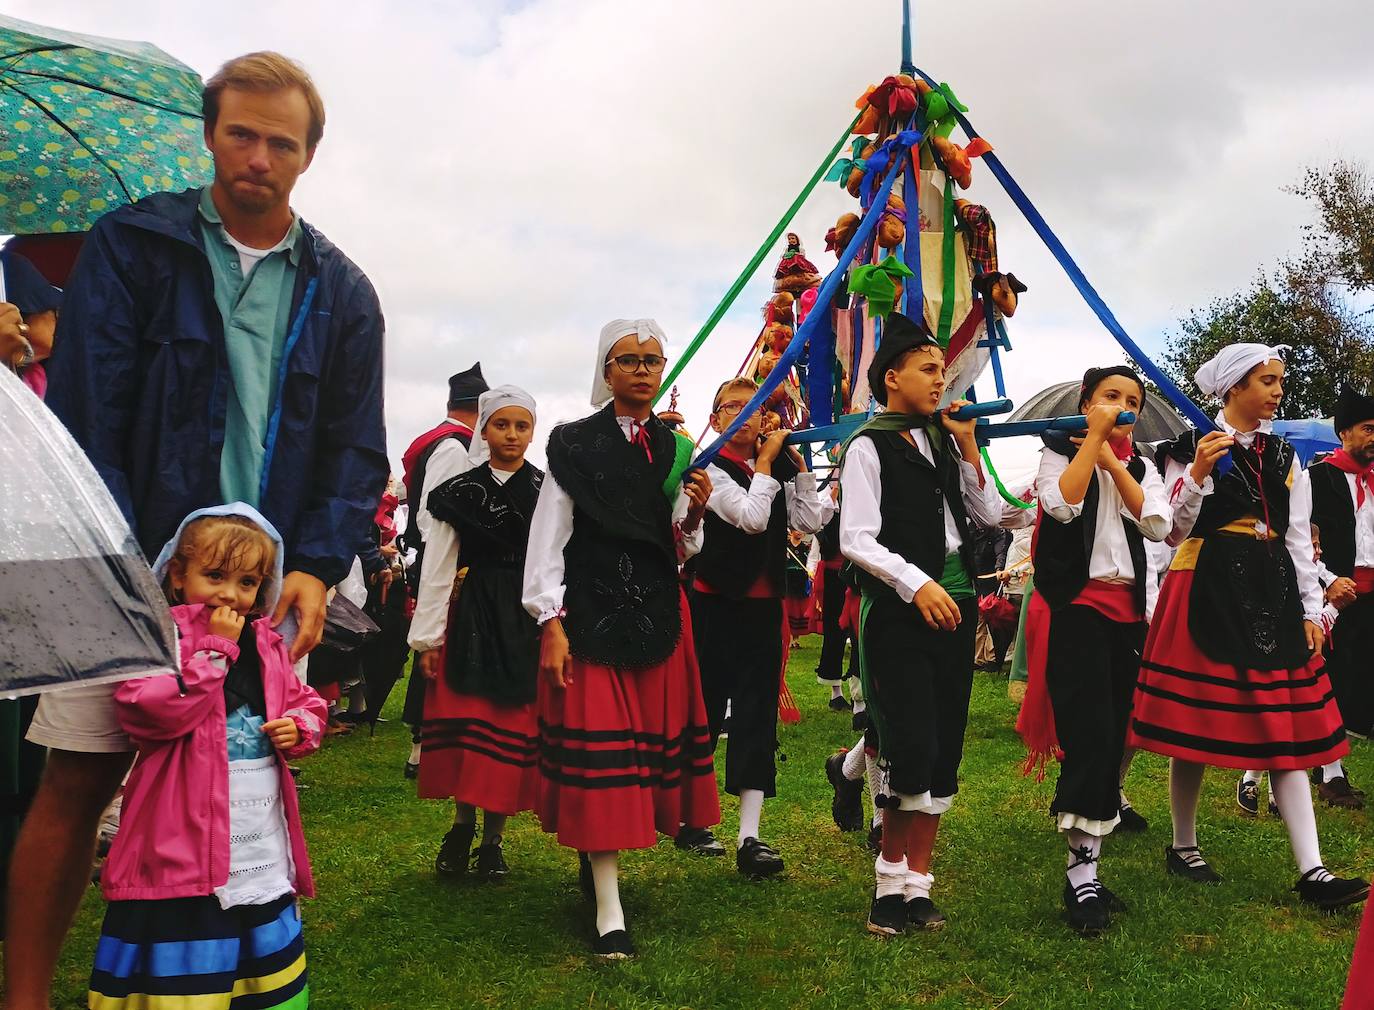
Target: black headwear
900,335
1093,377
466,387
1352,408
27,289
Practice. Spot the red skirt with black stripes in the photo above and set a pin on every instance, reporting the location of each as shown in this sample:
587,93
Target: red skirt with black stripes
478,751
625,755
1193,708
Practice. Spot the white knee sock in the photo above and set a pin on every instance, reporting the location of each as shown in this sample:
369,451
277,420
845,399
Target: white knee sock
750,813
1252,776
1083,850
414,754
854,762
835,691
856,694
891,877
606,877
1335,770
1294,798
1185,786
918,884
875,780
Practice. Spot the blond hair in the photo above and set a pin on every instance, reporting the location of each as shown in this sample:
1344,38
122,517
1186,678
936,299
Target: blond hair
737,383
264,72
225,542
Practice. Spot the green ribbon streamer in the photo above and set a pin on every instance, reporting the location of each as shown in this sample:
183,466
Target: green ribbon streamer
878,283
1007,496
683,447
947,266
942,110
719,311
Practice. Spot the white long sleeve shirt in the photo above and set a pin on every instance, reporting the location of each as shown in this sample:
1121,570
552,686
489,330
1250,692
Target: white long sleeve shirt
448,460
749,509
1186,497
551,529
861,517
1111,557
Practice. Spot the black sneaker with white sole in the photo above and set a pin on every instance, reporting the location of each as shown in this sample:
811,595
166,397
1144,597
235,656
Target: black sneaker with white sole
699,842
614,946
921,913
887,915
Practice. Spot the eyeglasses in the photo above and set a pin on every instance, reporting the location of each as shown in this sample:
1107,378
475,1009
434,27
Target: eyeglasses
731,409
630,363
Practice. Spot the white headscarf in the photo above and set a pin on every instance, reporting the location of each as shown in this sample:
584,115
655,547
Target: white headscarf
489,403
1232,364
645,329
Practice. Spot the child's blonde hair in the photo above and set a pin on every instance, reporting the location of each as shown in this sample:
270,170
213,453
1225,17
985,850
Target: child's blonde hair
225,541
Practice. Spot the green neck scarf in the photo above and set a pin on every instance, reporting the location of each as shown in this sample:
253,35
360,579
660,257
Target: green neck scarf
891,420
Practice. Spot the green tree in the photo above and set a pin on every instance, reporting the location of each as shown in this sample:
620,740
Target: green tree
1310,301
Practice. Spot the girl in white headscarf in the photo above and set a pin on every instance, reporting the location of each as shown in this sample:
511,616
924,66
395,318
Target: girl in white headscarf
1232,673
479,736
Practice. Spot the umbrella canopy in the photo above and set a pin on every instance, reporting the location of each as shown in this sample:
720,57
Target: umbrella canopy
1309,436
1157,420
87,124
78,603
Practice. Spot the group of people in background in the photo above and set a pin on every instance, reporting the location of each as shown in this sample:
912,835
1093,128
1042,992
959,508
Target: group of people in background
580,634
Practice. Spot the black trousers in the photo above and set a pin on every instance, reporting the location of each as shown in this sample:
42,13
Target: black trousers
917,684
831,665
1090,670
739,651
1350,664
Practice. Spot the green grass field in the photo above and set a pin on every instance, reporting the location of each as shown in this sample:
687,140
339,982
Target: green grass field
385,935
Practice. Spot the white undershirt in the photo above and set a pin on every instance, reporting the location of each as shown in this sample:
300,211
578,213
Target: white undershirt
1111,557
861,517
551,529
250,257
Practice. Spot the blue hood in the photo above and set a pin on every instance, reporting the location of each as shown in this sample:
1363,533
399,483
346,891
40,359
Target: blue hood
237,508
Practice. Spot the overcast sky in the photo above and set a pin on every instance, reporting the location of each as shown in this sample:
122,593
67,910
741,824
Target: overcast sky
511,175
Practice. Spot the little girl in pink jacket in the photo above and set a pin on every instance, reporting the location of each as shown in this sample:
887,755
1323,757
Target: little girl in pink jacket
204,873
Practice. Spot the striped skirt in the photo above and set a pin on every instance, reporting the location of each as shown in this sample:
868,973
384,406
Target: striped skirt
626,754
1193,708
190,954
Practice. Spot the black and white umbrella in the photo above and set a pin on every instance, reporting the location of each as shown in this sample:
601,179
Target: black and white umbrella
1158,420
78,603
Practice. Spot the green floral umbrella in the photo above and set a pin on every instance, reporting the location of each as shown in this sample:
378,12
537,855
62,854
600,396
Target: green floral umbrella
87,124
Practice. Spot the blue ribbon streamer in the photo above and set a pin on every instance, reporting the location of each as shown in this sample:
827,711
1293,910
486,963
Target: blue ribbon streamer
879,161
1181,401
820,315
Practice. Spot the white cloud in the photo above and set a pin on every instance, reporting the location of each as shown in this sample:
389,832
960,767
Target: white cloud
512,175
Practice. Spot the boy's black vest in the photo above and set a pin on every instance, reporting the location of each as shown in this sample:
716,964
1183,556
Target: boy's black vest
1063,551
1244,607
1333,511
731,560
829,539
915,494
622,591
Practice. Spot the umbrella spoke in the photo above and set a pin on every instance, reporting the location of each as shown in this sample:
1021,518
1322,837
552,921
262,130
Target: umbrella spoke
72,133
77,82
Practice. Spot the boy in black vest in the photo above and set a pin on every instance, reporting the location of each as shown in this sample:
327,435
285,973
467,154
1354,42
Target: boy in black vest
1343,506
1099,502
910,483
737,612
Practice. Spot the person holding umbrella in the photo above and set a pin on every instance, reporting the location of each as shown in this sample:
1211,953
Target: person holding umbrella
212,347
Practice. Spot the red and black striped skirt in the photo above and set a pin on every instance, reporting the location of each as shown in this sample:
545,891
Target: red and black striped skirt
478,751
626,754
1193,708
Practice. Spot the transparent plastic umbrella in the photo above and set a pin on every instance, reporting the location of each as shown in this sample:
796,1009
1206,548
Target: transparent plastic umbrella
78,603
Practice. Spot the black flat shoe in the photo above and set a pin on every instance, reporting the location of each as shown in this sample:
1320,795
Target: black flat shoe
921,913
839,704
1114,904
1198,871
1085,910
1334,892
756,860
847,805
699,842
887,915
1132,821
412,771
614,946
491,864
585,882
860,721
1247,797
454,851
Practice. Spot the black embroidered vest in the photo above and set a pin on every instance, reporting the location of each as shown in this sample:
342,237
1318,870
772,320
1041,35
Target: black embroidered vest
622,592
1063,551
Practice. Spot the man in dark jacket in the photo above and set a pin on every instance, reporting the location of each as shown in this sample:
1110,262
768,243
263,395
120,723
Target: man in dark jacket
212,347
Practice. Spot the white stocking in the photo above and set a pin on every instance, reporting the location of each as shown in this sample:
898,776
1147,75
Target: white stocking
606,878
